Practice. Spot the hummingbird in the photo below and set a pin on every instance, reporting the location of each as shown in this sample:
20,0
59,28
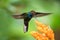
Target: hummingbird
28,16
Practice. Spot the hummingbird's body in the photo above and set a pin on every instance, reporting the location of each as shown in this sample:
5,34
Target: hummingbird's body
27,17
26,21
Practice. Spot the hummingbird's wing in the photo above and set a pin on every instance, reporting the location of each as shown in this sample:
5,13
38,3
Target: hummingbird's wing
41,14
20,16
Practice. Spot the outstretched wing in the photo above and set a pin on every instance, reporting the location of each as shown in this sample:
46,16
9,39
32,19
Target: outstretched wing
41,14
20,16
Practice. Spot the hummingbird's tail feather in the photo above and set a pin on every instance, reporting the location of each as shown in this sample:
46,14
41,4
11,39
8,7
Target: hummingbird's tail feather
25,28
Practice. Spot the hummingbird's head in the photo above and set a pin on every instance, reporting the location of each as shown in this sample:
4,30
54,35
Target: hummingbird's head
33,12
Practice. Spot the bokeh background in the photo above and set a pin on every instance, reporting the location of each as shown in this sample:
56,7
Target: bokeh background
12,29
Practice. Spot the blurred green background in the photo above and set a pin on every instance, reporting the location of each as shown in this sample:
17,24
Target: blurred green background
12,29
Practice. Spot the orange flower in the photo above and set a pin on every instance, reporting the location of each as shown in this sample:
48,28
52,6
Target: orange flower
46,33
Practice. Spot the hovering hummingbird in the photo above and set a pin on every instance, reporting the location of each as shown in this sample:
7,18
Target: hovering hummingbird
28,16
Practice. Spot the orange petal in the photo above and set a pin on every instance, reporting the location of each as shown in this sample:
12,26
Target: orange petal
38,36
50,34
40,24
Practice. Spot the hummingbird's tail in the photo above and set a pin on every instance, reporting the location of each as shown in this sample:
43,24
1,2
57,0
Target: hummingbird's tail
25,28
